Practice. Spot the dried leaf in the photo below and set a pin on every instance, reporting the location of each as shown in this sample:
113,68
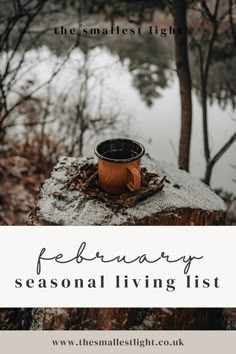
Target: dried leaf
86,180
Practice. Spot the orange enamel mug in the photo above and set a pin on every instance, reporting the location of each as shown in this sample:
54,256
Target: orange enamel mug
119,163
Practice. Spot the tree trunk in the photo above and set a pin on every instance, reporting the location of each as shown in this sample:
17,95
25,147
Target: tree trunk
205,122
203,82
208,173
184,75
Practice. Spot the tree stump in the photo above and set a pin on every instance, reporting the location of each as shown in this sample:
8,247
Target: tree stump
231,213
183,201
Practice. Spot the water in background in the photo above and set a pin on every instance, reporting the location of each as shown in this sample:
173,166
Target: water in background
157,126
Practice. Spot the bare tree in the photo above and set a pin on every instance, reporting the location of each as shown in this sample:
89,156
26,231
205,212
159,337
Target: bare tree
183,71
211,18
232,5
16,20
82,106
20,32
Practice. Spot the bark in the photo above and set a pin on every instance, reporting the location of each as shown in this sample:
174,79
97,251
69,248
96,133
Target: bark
204,71
203,81
184,75
231,20
205,63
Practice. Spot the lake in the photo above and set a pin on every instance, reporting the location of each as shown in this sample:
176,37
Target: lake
157,126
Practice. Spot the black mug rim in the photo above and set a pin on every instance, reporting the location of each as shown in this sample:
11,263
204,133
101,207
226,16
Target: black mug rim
137,157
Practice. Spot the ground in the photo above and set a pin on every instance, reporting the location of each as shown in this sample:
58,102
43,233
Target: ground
22,170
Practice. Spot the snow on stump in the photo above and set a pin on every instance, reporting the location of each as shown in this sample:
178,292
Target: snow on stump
184,200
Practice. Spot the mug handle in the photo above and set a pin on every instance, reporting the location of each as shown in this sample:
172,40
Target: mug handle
134,178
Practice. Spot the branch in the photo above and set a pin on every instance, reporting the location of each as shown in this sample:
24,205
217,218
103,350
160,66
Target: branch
15,71
29,20
217,156
221,152
212,40
29,96
231,20
30,124
207,11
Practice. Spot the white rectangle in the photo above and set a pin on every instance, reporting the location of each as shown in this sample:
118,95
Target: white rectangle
79,257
